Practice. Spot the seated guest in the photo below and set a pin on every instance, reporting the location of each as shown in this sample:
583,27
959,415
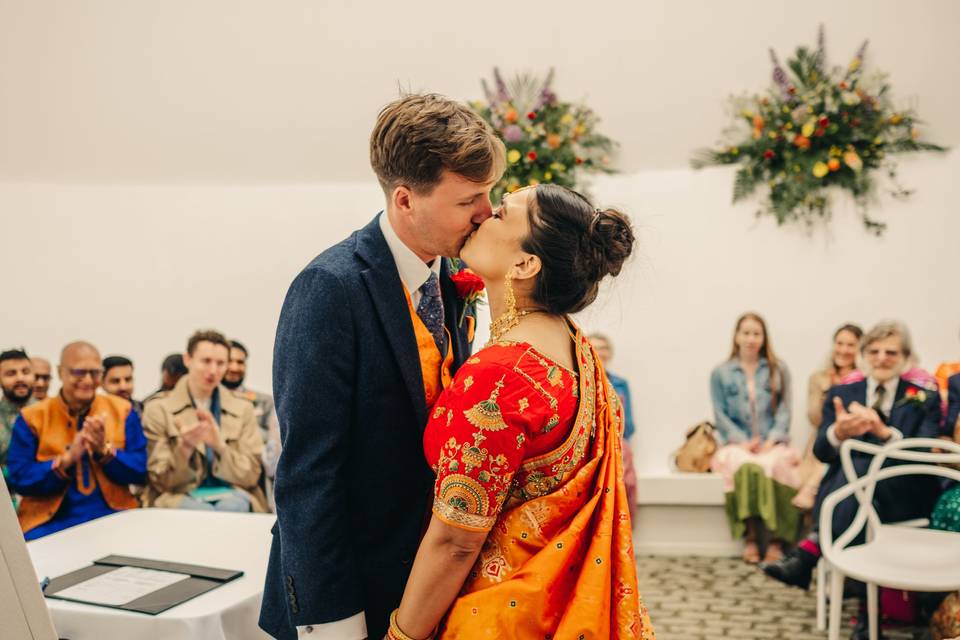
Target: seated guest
204,445
118,379
263,409
951,429
16,378
842,362
41,378
882,407
751,402
604,349
171,371
73,456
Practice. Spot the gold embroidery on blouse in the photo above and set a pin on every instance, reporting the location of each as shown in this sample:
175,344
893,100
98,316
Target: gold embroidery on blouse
467,382
523,404
486,415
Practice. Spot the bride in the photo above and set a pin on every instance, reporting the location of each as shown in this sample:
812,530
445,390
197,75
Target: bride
530,535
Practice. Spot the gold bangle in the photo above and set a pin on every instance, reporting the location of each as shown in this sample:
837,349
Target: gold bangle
395,632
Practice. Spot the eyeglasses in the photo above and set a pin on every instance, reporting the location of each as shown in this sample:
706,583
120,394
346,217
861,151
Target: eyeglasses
889,353
43,377
96,374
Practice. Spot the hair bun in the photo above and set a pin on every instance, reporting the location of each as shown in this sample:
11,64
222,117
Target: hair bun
611,238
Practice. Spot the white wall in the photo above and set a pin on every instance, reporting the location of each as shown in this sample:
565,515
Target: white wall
214,91
136,269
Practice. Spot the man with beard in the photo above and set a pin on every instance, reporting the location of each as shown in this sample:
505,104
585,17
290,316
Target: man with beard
263,411
41,378
74,456
118,380
16,378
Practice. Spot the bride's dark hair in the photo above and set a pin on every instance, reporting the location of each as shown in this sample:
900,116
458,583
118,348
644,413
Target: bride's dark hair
578,245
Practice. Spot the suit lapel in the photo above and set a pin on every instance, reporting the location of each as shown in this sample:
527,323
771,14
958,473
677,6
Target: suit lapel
900,412
452,308
386,292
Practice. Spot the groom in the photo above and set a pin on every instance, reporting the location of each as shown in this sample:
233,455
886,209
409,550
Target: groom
368,337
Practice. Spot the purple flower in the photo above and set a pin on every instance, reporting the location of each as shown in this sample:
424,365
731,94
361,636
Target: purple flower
513,133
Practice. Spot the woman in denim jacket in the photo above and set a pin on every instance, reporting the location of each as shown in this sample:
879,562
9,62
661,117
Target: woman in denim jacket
751,402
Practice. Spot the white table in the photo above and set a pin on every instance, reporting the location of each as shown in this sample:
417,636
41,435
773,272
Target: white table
225,540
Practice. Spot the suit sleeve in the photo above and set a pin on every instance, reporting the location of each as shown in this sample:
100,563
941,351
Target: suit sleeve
953,406
313,373
932,416
822,449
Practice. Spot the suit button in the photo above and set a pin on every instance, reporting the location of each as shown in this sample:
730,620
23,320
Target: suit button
308,628
405,561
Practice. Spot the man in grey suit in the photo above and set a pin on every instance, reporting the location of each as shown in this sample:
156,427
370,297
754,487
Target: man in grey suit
354,376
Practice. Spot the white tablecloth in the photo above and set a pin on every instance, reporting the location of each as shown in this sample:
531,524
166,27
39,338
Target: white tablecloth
225,540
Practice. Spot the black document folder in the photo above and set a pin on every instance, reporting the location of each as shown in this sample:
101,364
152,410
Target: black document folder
198,580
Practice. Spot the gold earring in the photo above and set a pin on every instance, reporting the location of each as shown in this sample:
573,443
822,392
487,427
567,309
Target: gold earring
510,318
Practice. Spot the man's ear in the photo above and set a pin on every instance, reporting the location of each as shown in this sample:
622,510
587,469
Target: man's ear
402,199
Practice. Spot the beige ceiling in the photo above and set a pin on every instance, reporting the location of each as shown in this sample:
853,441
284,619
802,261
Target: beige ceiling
228,91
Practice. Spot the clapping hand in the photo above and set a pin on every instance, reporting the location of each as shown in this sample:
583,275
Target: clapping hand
209,431
94,434
857,421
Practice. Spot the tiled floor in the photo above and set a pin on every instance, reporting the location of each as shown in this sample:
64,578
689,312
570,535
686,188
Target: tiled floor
692,598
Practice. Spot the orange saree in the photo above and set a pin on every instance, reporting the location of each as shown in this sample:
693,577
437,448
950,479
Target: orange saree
530,452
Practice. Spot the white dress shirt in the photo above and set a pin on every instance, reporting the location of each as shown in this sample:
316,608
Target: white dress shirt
886,407
413,273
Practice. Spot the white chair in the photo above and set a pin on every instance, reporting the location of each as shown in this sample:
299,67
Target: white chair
823,568
894,556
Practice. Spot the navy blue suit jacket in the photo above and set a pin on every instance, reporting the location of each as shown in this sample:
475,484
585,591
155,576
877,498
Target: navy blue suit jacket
352,486
953,405
896,499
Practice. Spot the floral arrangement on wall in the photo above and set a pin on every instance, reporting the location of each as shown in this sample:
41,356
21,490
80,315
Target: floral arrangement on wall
817,127
547,139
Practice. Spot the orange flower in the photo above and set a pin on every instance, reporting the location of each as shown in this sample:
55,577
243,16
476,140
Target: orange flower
802,142
510,116
833,164
554,141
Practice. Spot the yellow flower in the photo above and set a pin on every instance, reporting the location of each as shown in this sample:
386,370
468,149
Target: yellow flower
513,156
566,119
820,169
533,182
853,161
854,64
896,118
773,135
513,186
808,128
548,176
559,168
746,113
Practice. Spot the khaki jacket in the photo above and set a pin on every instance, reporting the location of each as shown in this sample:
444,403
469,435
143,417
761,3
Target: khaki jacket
170,475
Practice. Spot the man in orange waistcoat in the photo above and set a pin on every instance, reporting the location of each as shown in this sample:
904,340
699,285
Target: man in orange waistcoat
73,456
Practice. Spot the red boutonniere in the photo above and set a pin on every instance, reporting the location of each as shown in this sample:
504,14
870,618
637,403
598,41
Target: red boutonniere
913,396
470,288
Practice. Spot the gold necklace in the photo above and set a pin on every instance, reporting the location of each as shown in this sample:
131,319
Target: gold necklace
505,322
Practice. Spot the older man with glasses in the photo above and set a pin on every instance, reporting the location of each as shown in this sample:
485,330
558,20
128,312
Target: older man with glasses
73,456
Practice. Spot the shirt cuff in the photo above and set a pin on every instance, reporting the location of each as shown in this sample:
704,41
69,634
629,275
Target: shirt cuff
832,436
352,628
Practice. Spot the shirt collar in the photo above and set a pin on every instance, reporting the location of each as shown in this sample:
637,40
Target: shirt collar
890,386
413,271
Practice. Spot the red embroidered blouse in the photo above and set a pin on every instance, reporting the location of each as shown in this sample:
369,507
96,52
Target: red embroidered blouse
507,404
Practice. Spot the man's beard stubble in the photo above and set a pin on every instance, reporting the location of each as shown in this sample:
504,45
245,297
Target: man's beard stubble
10,395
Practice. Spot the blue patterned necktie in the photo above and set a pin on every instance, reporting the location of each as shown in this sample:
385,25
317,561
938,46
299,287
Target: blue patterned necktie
430,311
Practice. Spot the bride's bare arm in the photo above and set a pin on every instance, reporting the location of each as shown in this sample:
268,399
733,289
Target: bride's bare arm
443,561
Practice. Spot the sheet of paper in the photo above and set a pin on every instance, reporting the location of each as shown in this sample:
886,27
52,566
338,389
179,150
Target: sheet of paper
121,586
